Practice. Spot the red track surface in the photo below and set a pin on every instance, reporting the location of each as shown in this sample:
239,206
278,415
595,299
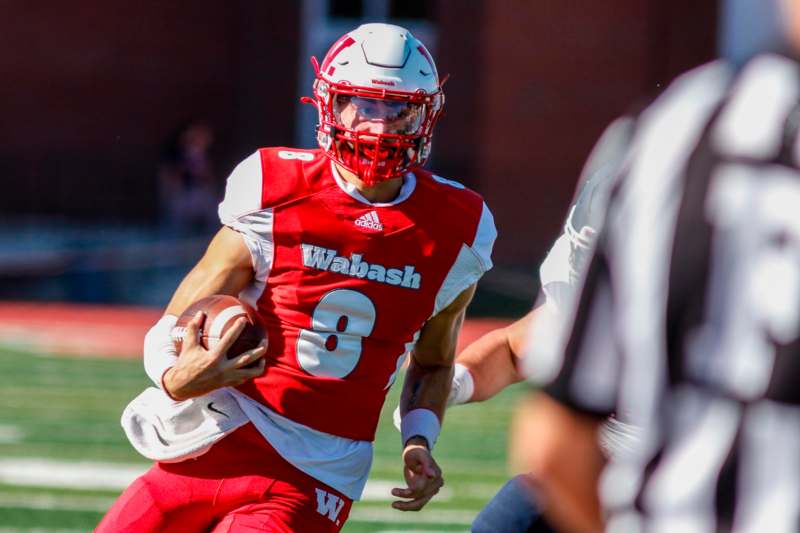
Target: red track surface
111,331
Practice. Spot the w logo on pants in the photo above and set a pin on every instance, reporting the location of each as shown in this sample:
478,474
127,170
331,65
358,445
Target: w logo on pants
329,505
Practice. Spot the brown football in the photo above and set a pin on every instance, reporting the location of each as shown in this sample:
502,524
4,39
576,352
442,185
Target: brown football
221,313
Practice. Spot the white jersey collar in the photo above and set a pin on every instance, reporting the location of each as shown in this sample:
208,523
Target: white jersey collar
409,184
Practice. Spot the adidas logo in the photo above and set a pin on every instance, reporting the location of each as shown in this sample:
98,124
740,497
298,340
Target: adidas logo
370,221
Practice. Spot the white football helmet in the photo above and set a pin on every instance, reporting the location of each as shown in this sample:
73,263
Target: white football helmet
378,96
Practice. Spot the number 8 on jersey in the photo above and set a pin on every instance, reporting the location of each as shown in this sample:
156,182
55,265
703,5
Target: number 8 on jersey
332,348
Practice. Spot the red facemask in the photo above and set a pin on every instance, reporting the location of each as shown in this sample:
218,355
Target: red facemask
376,139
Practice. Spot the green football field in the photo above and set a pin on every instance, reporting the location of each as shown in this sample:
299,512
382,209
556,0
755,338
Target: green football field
64,458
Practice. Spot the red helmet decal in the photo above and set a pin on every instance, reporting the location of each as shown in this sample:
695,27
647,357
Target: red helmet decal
427,56
336,49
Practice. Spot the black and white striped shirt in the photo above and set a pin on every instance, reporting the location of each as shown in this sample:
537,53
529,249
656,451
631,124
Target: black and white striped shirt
689,316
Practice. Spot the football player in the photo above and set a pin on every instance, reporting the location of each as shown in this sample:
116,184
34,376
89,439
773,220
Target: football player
495,360
353,256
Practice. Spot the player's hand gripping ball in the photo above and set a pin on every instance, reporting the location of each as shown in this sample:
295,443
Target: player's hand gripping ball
221,313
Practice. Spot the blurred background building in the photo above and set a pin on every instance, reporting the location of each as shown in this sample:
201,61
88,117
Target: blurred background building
93,90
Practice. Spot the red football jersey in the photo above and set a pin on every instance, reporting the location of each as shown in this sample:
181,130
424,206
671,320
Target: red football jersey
344,286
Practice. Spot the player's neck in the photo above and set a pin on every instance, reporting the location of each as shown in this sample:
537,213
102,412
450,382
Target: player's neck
383,192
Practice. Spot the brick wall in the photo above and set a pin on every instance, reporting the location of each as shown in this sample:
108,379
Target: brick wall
92,89
537,82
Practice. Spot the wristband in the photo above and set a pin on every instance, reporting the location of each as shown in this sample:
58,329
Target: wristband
159,350
420,423
463,386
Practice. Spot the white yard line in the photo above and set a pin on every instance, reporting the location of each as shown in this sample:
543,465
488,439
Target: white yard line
378,490
88,475
71,475
357,514
96,475
44,502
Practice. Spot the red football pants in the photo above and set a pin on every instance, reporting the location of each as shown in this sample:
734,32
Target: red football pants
240,484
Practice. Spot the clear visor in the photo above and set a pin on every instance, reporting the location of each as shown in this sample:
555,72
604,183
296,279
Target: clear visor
399,117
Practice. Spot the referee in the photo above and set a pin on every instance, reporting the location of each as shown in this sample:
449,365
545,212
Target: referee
688,325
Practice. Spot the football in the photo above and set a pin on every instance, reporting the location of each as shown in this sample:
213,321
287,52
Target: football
221,313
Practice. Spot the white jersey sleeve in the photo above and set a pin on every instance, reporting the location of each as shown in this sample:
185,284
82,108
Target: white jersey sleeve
241,210
242,191
472,262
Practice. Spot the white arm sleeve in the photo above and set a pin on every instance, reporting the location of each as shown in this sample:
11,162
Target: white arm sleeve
159,350
241,210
